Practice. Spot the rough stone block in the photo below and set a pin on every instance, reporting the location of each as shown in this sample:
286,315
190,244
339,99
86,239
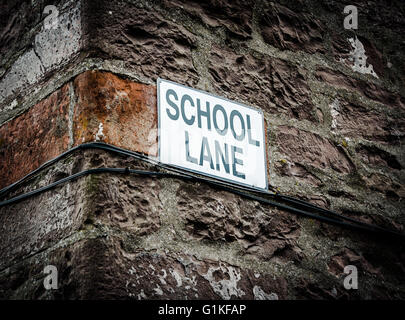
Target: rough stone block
235,16
309,148
289,30
101,268
296,171
377,157
273,85
356,121
367,89
150,43
35,224
264,232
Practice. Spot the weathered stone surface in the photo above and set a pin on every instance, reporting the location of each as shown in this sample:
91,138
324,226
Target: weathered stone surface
56,45
310,289
50,48
380,14
25,71
340,48
109,267
286,29
101,269
32,225
36,136
96,106
16,20
305,147
353,120
296,170
273,85
359,54
151,44
126,236
184,277
97,230
369,90
115,111
263,232
384,184
235,16
377,157
120,201
349,257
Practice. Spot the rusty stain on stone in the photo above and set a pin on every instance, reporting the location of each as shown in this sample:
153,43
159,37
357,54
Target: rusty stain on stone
126,110
34,137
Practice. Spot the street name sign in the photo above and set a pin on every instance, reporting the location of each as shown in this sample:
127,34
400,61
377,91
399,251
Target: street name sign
211,135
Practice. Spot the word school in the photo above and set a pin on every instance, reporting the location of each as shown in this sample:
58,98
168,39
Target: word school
211,135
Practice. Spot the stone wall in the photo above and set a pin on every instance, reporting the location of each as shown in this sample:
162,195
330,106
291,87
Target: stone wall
334,104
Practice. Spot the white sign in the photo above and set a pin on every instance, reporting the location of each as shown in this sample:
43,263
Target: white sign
210,135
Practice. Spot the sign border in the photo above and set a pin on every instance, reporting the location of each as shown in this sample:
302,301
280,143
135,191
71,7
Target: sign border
158,81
